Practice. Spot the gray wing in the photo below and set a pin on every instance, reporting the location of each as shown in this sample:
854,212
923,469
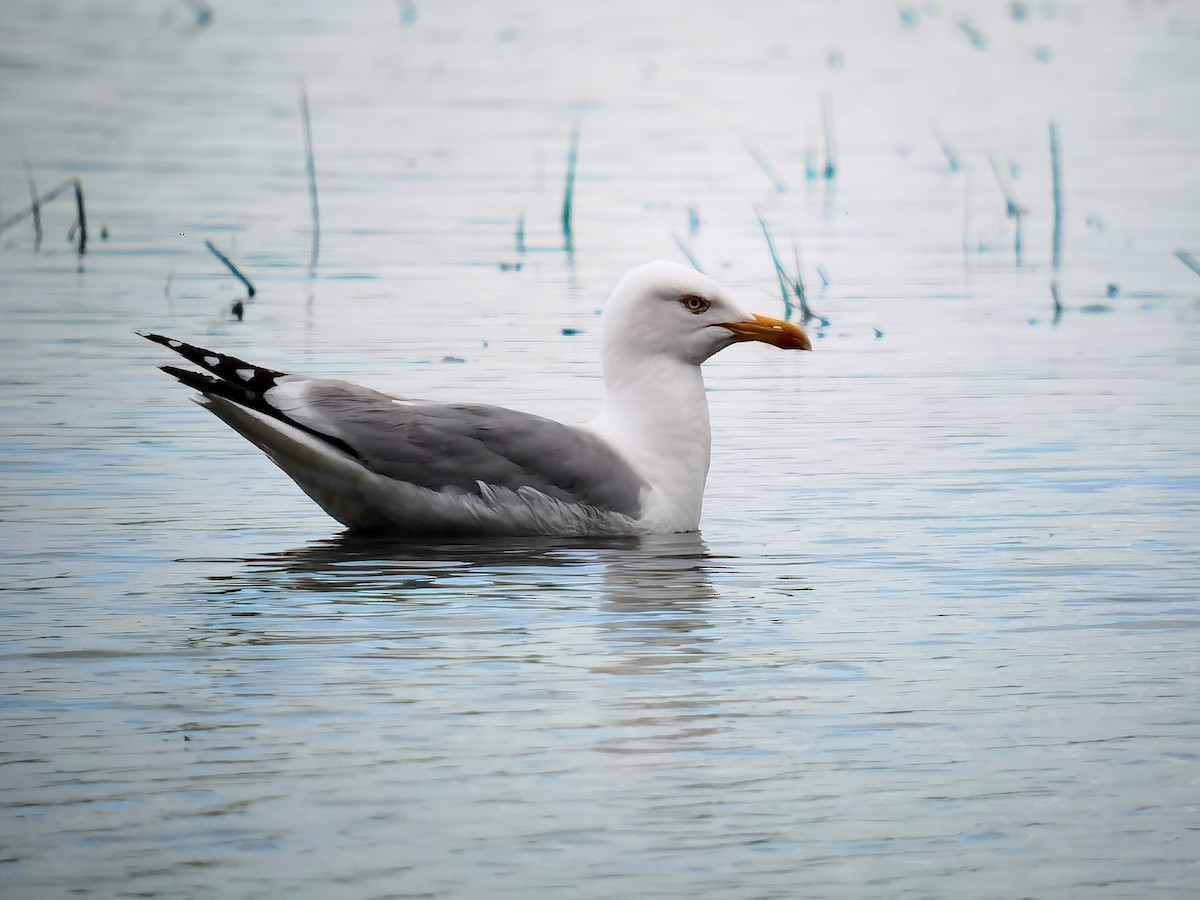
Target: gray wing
433,445
440,446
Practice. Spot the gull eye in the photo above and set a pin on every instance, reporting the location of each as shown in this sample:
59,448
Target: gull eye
694,303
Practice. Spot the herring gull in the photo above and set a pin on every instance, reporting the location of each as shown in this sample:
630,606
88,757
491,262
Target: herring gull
385,463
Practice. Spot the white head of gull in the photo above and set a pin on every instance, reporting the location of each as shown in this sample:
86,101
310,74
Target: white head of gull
661,322
380,462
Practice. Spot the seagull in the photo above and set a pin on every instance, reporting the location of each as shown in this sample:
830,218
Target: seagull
383,463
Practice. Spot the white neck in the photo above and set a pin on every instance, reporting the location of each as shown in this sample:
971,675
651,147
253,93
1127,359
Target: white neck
655,414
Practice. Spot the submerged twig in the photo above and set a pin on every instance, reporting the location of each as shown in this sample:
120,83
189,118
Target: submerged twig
310,165
236,272
779,273
569,190
1058,307
1056,188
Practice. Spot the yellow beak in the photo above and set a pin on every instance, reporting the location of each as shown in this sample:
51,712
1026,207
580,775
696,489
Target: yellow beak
775,332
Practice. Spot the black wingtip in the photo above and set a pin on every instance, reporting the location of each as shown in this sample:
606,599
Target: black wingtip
160,339
229,368
210,384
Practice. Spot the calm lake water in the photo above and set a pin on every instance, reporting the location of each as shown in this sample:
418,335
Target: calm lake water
940,634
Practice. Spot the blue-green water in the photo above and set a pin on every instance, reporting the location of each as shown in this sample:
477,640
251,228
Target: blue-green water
939,635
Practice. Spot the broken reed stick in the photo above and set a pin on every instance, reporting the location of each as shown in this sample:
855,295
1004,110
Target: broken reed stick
1056,188
683,248
1188,260
236,272
35,207
951,156
39,202
569,190
806,312
1012,209
767,168
81,215
779,273
310,166
966,221
827,125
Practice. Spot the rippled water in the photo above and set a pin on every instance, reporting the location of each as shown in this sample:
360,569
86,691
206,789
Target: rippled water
938,636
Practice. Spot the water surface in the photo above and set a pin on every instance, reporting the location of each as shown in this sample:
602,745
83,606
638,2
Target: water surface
938,636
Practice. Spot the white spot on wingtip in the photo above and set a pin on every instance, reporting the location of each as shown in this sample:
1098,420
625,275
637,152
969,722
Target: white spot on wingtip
174,345
212,361
245,374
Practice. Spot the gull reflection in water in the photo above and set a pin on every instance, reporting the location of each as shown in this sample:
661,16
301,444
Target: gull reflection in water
646,597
